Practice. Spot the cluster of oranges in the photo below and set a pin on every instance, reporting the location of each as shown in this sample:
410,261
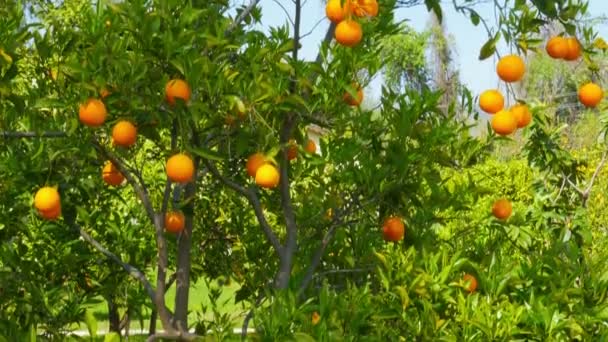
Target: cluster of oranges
510,69
93,113
348,30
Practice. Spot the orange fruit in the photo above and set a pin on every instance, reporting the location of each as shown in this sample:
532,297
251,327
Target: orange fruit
334,10
348,33
111,175
47,199
491,101
472,282
522,115
174,221
574,49
292,150
590,94
354,101
52,214
504,122
557,47
124,133
177,89
363,8
267,176
315,318
502,209
393,229
511,68
311,147
92,113
254,162
180,168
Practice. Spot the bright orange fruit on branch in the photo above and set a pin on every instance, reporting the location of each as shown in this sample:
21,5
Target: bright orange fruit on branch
177,89
52,214
491,101
590,94
574,49
393,229
335,11
472,282
111,175
557,47
502,209
365,8
124,133
348,98
522,115
511,68
254,162
92,113
174,221
47,199
180,168
348,33
310,147
504,122
315,318
267,176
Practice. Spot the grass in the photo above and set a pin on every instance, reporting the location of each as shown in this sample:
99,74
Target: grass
198,298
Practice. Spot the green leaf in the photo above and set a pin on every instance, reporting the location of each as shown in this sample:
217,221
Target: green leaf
91,322
303,337
205,153
112,337
489,47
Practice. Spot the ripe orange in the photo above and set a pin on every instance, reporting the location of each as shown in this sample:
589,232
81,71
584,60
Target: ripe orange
348,33
47,199
311,147
124,133
52,214
315,318
504,122
174,221
254,162
557,47
334,10
363,8
267,176
574,49
472,282
393,229
502,209
292,150
511,68
354,101
522,115
177,89
92,113
180,168
590,94
111,175
491,101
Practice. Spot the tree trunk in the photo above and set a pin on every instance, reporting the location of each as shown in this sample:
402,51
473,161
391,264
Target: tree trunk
113,316
153,316
183,264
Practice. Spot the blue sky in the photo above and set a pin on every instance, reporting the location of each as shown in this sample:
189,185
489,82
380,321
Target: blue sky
477,75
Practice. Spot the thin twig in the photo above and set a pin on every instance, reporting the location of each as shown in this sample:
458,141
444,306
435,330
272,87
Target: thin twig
242,16
255,203
49,134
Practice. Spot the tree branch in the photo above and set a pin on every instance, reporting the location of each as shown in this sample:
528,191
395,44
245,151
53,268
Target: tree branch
255,203
595,173
49,134
242,16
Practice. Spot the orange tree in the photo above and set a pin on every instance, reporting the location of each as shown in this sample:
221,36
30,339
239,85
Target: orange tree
213,91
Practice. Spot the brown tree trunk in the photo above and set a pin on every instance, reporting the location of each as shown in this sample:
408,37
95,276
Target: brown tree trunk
153,316
113,316
182,290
